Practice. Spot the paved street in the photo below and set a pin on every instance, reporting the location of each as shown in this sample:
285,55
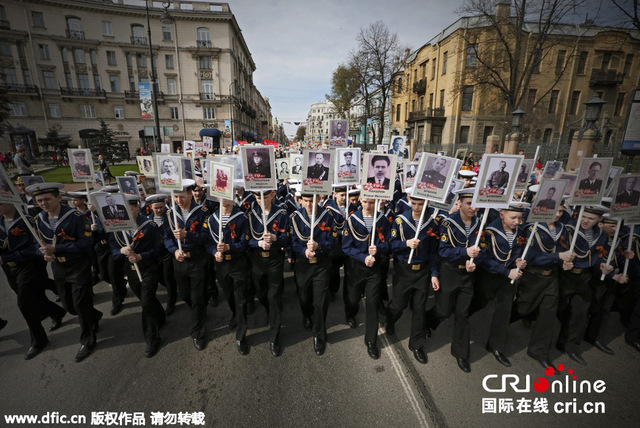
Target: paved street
344,387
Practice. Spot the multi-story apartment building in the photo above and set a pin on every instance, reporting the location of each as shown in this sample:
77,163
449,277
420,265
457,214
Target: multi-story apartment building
436,96
366,129
318,120
68,63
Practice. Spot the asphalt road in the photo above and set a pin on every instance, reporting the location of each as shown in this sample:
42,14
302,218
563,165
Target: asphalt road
344,387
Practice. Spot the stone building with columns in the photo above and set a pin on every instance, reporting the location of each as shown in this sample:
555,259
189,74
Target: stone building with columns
68,63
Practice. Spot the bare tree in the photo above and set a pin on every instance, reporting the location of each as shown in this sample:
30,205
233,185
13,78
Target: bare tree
630,10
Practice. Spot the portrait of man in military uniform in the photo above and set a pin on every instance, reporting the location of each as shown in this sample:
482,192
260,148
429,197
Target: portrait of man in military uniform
347,164
111,210
258,162
627,193
80,167
498,179
433,172
317,168
549,202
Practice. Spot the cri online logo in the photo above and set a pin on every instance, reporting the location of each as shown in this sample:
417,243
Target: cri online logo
542,384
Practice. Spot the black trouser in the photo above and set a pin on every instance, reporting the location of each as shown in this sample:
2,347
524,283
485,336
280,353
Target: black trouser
537,295
411,283
232,276
628,303
313,285
212,287
369,280
118,283
454,297
27,279
338,259
268,282
103,255
73,279
167,277
573,309
152,313
603,296
190,276
496,288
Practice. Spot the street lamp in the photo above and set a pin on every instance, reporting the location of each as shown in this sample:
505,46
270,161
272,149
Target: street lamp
166,18
407,133
231,108
516,119
591,116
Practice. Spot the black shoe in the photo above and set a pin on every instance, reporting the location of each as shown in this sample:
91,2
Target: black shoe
545,362
351,322
251,307
96,322
56,323
200,344
602,347
96,279
427,333
463,363
83,352
152,349
3,323
419,355
635,345
306,323
170,309
213,302
390,328
373,351
116,309
500,357
577,358
275,348
319,346
233,323
243,348
34,350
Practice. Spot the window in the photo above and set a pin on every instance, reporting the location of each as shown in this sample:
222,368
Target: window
78,55
582,62
174,112
172,87
38,19
423,70
83,80
168,60
207,89
398,113
606,58
575,99
137,35
600,94
399,85
132,84
467,98
535,67
111,58
69,80
208,113
44,51
3,13
10,75
413,105
472,55
17,109
74,28
5,48
166,33
406,110
546,137
49,79
88,111
433,69
617,111
442,98
607,137
431,100
553,101
488,130
445,57
560,61
203,36
94,57
27,77
129,60
167,130
627,64
114,83
141,60
531,97
118,112
65,55
21,52
464,134
107,30
54,110
421,103
96,82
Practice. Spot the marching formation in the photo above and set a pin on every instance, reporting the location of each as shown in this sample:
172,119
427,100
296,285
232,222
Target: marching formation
562,276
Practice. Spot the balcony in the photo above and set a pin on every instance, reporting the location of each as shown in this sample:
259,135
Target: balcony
420,87
428,114
19,89
4,24
138,40
203,43
83,92
207,96
605,78
75,34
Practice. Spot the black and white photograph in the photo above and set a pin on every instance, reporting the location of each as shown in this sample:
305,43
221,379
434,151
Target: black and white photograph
188,168
410,172
128,185
150,185
626,197
145,165
318,171
382,148
295,162
461,154
592,176
614,172
347,169
28,180
551,168
378,174
547,201
496,180
451,198
434,174
113,211
98,179
338,130
397,146
524,174
282,166
81,165
188,145
569,177
169,168
258,164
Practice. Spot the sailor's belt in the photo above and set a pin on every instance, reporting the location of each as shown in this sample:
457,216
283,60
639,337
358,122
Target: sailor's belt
11,264
103,241
228,257
313,260
577,271
61,259
416,267
186,254
454,266
265,254
537,271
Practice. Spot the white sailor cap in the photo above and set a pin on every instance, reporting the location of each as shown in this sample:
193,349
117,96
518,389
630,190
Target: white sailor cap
188,184
111,189
534,188
158,197
518,206
466,173
42,188
131,173
78,195
465,192
132,199
596,209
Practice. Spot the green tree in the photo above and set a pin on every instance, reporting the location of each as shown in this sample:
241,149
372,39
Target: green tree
54,143
105,144
4,111
301,132
345,86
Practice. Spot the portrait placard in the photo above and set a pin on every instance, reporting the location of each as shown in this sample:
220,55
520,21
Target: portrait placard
551,168
188,154
8,192
295,163
378,176
614,172
236,161
589,187
282,166
188,145
145,165
128,185
347,171
28,180
409,174
81,165
169,169
524,174
382,148
461,154
221,180
114,211
547,200
434,175
338,130
165,148
98,179
569,177
626,197
496,180
258,166
451,198
188,169
150,185
317,170
397,146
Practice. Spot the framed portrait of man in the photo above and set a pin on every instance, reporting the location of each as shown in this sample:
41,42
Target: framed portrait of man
150,185
113,210
258,164
28,180
81,165
8,192
318,171
188,169
451,198
338,130
461,154
169,172
547,201
145,165
592,177
236,161
221,180
397,146
524,174
409,173
570,178
189,154
614,172
295,163
282,166
382,148
98,179
433,177
496,180
378,176
128,185
551,168
626,197
347,171
188,145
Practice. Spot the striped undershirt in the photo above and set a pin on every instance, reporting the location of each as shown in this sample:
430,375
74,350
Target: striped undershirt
589,235
510,238
53,222
158,220
467,230
368,221
553,232
225,220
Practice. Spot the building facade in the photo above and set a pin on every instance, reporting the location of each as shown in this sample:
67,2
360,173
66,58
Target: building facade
68,63
318,120
365,128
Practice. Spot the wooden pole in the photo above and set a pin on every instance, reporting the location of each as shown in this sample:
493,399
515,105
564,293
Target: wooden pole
482,223
529,241
175,217
424,209
613,246
626,261
575,235
135,265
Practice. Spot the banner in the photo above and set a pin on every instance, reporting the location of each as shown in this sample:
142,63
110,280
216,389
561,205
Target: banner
270,143
146,103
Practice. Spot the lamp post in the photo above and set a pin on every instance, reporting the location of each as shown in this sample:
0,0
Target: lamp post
407,133
591,116
584,140
513,138
166,18
231,108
